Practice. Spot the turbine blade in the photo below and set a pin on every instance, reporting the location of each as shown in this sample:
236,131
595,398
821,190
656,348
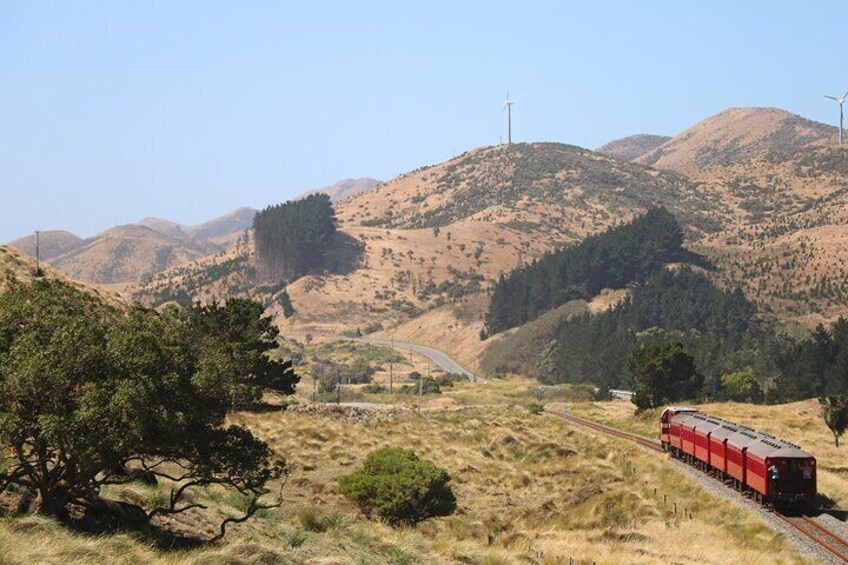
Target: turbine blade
844,96
831,97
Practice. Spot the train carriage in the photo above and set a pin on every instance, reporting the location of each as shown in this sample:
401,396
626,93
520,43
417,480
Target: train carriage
703,429
773,470
718,447
687,433
780,472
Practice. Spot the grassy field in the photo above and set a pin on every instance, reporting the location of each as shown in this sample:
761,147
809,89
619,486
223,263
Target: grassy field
531,489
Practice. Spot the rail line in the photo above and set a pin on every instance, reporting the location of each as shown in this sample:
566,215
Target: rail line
808,527
813,530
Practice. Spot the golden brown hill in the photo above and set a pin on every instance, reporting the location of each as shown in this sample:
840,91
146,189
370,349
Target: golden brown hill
789,246
443,233
51,243
737,134
633,146
557,192
16,265
128,253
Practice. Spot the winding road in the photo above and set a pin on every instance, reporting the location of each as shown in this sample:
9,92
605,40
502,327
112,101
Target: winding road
438,357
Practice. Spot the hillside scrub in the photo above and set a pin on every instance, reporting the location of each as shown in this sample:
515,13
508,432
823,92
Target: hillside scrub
87,390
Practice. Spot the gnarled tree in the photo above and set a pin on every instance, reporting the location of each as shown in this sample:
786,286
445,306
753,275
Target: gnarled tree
86,390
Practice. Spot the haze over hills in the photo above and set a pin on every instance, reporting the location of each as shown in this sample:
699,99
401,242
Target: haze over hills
51,243
633,146
343,189
128,253
737,134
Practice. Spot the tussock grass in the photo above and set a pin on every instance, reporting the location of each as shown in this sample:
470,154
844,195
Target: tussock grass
530,489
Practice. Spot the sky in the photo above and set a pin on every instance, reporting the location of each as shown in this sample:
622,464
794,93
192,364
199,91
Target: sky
114,111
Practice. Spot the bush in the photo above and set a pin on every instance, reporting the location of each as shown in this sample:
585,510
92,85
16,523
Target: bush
399,487
535,408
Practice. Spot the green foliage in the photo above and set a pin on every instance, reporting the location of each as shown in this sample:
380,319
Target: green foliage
535,408
85,388
741,386
610,260
834,410
718,328
244,338
292,238
399,487
663,374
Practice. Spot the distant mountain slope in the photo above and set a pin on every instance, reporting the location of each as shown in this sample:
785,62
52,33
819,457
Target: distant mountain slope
215,230
343,189
631,147
51,243
234,222
15,265
128,253
557,192
737,134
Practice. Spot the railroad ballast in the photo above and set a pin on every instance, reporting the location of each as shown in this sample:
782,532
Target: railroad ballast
774,471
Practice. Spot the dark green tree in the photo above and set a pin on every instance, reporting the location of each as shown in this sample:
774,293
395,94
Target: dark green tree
834,410
286,305
662,374
245,337
86,389
292,238
399,487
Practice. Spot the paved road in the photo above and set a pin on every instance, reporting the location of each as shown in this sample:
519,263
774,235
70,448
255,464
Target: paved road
436,356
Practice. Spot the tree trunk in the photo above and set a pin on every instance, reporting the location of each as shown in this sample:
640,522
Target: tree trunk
836,439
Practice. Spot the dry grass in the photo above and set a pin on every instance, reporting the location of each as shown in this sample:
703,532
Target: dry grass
531,489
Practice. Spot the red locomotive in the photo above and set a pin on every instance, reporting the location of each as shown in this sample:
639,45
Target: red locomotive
776,472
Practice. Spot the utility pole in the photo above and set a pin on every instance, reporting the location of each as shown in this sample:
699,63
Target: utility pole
338,386
37,253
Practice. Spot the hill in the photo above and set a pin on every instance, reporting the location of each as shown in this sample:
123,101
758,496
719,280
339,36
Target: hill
737,134
787,248
18,266
51,243
216,230
128,253
558,192
346,188
633,146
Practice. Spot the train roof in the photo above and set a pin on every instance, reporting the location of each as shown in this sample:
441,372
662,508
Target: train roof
769,447
743,437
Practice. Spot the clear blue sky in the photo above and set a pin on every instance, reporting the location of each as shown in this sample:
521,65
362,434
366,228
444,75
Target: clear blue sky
113,111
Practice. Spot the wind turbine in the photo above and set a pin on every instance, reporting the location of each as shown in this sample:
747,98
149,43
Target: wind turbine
508,109
839,101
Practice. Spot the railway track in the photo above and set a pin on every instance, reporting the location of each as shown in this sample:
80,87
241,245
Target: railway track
806,526
814,531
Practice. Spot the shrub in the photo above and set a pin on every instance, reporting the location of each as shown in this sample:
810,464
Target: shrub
399,487
535,408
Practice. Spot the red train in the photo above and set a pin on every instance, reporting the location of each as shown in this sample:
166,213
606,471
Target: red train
776,472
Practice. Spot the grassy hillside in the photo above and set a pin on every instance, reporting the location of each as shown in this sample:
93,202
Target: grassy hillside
15,265
737,134
51,243
531,489
633,146
128,253
558,190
